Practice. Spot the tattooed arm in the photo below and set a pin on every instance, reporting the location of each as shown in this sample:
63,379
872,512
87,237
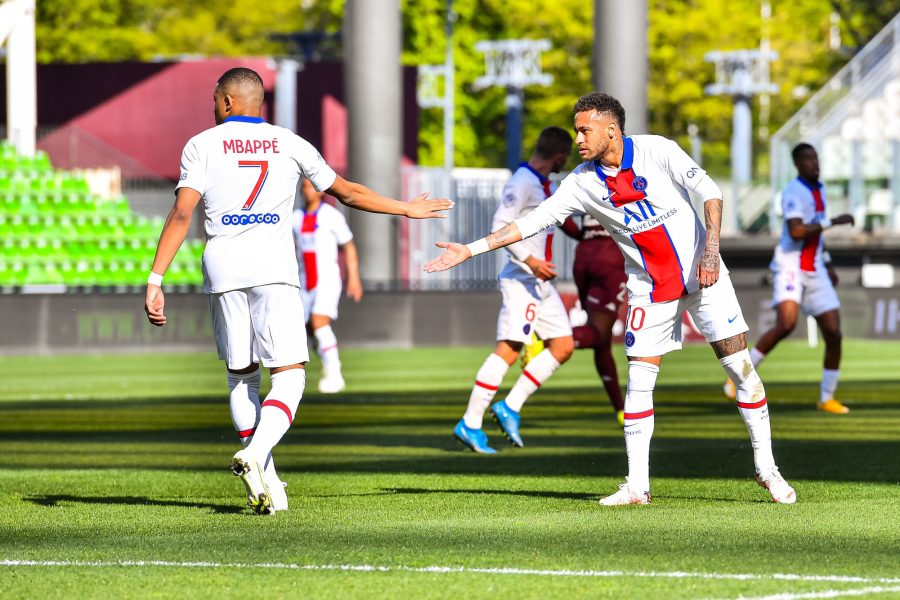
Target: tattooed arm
708,269
455,254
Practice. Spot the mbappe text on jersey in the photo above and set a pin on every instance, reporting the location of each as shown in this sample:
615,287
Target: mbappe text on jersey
251,146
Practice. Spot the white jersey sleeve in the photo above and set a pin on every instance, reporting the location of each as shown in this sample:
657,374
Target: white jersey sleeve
342,231
193,169
313,165
554,210
688,174
793,205
515,202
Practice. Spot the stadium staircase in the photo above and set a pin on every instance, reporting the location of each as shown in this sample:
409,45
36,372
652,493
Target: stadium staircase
58,236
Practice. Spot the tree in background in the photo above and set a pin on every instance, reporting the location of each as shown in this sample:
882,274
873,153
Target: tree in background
680,33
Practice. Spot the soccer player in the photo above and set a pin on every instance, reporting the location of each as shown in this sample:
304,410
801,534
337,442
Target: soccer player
319,230
530,302
803,275
639,189
599,273
246,171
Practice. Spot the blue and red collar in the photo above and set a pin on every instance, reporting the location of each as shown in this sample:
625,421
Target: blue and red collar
244,119
808,185
627,159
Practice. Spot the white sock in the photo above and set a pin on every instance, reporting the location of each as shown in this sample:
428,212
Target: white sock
829,383
278,411
639,422
328,350
756,356
751,401
488,379
243,392
244,396
539,370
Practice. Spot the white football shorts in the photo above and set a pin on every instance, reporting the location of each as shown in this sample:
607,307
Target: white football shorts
811,290
260,324
655,329
530,304
323,299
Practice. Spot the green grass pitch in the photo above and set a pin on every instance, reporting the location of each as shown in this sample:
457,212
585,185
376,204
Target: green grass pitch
114,483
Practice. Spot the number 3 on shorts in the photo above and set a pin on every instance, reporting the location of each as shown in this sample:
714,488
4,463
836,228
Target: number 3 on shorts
257,188
637,318
529,312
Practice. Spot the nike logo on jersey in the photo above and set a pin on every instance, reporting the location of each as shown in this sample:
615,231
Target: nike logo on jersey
731,320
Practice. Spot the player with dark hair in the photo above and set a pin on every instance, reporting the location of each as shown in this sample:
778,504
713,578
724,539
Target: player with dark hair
639,188
530,302
247,171
803,275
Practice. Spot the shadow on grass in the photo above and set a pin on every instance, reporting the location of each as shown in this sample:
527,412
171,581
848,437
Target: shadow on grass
409,432
56,500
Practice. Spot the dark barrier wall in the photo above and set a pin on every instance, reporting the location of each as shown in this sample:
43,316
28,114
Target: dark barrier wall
116,322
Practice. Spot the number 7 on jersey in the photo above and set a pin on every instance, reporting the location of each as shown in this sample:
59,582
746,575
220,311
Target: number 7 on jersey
257,188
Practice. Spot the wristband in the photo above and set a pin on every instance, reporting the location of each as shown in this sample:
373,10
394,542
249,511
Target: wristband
478,247
155,279
825,223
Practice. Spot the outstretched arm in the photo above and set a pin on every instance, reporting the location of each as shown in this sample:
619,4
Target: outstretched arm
798,230
358,196
455,254
708,269
170,240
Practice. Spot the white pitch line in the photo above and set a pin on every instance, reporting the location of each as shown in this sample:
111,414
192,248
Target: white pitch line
445,569
826,594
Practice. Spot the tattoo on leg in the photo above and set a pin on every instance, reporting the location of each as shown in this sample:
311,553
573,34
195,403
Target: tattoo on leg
729,346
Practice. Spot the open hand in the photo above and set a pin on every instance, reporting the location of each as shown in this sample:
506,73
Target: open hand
453,255
154,304
421,207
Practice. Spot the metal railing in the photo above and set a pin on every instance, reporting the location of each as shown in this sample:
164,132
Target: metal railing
476,193
857,157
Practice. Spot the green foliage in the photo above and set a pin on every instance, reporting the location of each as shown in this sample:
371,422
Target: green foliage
680,33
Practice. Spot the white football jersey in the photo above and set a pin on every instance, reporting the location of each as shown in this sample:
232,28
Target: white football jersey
524,191
800,200
317,236
247,171
645,206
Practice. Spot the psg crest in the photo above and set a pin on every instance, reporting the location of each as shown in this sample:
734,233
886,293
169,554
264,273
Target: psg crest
639,184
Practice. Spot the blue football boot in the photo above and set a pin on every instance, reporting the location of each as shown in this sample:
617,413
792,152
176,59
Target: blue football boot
508,420
475,439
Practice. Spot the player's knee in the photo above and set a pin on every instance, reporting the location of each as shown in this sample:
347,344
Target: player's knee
833,338
246,370
562,348
785,327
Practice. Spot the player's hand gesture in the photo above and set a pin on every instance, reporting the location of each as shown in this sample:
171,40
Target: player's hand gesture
421,207
708,269
154,304
832,275
453,255
354,289
542,269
